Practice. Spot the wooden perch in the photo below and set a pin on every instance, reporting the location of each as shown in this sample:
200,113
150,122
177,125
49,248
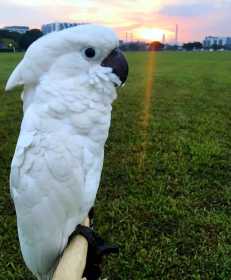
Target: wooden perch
72,264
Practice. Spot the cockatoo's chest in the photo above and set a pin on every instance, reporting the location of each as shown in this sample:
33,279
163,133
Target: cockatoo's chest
89,119
63,149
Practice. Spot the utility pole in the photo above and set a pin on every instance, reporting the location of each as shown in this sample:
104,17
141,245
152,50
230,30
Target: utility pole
163,39
177,31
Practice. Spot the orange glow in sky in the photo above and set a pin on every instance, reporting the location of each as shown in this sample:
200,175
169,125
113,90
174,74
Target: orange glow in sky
140,19
151,34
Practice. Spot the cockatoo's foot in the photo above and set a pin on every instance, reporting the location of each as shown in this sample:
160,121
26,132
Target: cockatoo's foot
97,248
91,217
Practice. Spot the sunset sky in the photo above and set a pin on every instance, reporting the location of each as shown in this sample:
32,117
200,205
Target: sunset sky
141,19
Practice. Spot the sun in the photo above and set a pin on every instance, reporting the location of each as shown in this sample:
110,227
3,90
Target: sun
150,34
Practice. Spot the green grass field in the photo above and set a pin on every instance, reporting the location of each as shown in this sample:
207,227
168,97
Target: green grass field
165,195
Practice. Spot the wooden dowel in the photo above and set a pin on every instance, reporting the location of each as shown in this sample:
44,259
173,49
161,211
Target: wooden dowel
72,264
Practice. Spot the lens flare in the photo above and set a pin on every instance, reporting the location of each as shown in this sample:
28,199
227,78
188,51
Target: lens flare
152,34
147,105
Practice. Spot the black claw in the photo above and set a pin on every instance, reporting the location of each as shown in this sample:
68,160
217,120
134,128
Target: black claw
91,216
91,213
97,248
106,250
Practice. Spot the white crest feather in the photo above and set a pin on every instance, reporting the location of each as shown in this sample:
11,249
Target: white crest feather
15,78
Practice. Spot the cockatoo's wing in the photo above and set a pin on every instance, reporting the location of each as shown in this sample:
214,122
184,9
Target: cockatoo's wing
54,180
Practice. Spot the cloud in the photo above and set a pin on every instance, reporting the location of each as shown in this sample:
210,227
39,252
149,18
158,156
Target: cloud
196,18
123,15
188,10
11,14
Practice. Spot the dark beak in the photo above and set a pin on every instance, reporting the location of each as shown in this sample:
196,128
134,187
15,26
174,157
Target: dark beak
117,61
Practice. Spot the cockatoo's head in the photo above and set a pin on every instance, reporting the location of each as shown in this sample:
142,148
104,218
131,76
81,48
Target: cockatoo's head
72,53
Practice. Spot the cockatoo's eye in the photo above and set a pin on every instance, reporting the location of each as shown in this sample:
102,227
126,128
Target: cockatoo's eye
90,52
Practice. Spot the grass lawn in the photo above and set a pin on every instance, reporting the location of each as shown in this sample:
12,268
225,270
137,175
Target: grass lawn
165,195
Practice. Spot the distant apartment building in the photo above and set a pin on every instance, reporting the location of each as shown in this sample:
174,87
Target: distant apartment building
211,41
19,29
57,26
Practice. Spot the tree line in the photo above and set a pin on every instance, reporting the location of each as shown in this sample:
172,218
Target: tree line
13,40
158,46
20,42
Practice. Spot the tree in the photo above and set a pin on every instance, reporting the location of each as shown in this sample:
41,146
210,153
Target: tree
171,47
29,37
192,46
6,36
156,46
133,46
10,35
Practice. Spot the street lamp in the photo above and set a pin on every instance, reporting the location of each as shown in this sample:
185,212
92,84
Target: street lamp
11,46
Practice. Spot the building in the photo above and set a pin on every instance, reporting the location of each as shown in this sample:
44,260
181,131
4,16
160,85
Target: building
19,29
211,41
57,26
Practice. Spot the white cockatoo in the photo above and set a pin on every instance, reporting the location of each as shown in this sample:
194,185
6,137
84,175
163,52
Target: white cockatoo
70,80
